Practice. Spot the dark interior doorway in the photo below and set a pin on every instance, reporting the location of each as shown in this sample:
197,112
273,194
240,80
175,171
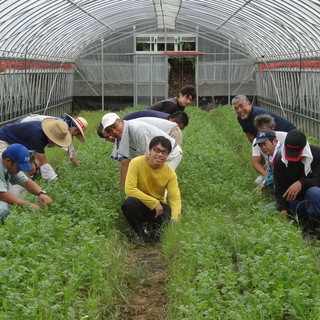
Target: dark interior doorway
182,73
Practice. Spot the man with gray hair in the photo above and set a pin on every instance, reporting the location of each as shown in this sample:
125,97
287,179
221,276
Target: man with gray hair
246,113
132,139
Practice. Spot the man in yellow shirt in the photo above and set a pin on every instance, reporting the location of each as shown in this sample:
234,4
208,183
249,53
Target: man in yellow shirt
147,180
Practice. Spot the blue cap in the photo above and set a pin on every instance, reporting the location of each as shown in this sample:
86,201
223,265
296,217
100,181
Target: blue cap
20,155
263,135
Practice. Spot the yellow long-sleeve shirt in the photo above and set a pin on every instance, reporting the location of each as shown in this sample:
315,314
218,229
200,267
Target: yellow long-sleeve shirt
149,185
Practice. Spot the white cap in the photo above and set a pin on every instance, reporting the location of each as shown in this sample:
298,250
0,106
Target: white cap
109,119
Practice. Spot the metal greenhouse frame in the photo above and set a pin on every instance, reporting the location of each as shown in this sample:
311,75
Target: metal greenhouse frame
53,51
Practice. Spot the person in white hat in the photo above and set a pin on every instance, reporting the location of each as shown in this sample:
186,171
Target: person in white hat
15,159
132,139
77,127
35,136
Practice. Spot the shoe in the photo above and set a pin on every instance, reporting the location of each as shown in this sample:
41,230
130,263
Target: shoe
153,232
310,235
137,240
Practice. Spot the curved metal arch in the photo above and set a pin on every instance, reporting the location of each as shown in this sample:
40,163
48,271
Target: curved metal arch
64,28
32,18
295,25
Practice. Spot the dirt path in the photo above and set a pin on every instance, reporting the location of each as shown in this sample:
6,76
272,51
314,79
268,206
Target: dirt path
148,297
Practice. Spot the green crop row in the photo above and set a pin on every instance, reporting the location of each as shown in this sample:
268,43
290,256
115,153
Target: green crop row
70,261
231,257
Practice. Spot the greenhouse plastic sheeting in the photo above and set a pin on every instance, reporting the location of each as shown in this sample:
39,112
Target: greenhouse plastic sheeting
60,30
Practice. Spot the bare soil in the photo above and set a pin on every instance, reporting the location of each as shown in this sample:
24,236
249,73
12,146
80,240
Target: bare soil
148,297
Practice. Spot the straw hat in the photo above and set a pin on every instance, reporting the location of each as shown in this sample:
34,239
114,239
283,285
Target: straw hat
57,131
81,124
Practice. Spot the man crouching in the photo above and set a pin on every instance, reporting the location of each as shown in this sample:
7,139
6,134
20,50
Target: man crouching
148,180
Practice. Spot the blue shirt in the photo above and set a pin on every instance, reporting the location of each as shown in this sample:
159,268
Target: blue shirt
29,134
282,124
146,113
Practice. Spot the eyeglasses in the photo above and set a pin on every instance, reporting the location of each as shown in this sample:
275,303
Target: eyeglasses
157,150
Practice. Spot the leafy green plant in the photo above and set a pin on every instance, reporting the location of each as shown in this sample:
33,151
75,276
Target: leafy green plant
231,257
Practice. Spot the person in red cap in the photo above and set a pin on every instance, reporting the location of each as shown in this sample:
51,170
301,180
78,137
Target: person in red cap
15,159
297,181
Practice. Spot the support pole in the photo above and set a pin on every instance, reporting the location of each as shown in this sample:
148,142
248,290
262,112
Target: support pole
229,73
102,76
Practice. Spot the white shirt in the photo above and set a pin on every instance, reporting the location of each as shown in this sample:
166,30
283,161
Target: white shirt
256,151
135,139
162,124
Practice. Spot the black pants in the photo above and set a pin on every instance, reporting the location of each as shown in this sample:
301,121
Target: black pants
136,213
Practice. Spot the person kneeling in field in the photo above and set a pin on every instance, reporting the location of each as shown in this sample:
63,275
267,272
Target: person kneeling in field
270,146
147,180
15,158
297,182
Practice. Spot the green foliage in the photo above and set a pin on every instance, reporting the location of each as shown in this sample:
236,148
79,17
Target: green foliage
68,262
231,257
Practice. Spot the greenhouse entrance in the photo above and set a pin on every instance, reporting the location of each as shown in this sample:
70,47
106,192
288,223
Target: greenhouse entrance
182,72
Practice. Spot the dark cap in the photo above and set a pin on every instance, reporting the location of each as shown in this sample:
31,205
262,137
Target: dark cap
294,145
263,135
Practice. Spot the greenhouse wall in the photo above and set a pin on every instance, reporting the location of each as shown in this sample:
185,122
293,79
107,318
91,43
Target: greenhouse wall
34,87
291,89
129,78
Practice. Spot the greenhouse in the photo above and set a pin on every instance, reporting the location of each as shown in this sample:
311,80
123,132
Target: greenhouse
104,54
230,256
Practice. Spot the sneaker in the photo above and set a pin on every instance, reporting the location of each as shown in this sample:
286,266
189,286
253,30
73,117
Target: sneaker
137,240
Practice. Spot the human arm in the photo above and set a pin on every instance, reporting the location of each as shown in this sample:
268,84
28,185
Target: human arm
41,158
174,197
176,133
123,171
159,210
169,107
250,136
46,169
280,183
165,106
74,159
283,214
13,199
33,188
73,156
299,182
313,177
256,163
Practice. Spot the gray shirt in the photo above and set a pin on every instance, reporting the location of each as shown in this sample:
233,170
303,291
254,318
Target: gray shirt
6,178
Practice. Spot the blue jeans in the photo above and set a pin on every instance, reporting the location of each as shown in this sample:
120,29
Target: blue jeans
309,206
